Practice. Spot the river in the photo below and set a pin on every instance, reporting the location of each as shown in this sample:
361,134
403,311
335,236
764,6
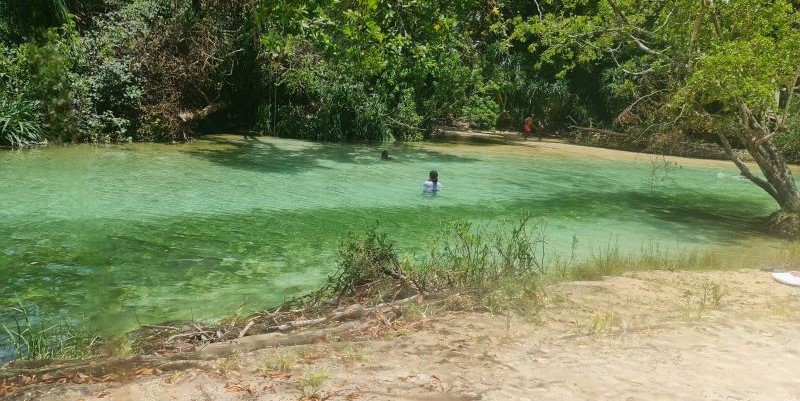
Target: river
128,234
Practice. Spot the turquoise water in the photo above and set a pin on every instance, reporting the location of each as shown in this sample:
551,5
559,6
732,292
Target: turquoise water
140,233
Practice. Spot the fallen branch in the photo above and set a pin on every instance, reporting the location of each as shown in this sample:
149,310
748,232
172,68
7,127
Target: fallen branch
599,131
192,115
192,334
244,330
297,324
269,340
154,326
631,106
127,367
355,311
395,122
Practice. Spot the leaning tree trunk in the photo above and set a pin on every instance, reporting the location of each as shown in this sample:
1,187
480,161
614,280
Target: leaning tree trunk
778,180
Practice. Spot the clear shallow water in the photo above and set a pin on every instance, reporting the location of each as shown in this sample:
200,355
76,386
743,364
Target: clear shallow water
142,233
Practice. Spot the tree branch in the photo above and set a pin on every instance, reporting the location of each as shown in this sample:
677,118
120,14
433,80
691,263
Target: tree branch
750,120
593,33
404,125
599,130
669,16
744,170
698,22
618,13
715,12
639,73
192,115
789,97
649,70
643,46
764,139
628,109
621,16
541,16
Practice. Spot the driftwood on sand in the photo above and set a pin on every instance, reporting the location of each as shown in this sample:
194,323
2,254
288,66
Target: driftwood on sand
350,320
599,131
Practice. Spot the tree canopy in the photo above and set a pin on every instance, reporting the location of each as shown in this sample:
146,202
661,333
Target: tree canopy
723,68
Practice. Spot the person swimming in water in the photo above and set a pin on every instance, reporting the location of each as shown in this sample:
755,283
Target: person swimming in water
385,155
432,185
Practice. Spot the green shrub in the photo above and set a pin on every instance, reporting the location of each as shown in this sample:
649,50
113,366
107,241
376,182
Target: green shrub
52,85
482,112
405,120
501,270
264,123
365,262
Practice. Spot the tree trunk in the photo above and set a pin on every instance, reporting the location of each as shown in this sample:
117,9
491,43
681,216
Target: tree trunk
189,116
779,182
777,173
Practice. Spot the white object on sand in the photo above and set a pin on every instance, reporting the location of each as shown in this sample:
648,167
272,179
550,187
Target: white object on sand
789,278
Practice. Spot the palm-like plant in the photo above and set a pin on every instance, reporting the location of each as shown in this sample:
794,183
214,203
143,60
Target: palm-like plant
19,125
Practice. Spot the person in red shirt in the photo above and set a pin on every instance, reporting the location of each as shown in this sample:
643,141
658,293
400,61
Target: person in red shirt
527,127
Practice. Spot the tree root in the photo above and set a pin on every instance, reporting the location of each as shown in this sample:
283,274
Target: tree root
784,223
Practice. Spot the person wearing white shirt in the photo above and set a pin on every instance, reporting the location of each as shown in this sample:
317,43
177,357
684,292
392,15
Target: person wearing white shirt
433,184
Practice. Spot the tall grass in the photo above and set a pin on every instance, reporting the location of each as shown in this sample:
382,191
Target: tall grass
469,255
34,339
611,260
19,122
502,269
499,270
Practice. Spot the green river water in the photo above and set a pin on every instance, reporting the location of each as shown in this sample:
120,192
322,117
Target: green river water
140,233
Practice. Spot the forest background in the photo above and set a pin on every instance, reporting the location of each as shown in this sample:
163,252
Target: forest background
166,70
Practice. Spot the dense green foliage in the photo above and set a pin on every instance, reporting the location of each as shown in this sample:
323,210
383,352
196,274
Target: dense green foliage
658,71
108,70
154,70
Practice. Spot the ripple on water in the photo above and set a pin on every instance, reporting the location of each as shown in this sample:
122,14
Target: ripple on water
141,233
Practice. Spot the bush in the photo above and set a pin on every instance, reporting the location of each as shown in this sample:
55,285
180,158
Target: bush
405,119
482,112
19,125
364,263
499,271
341,108
50,62
21,113
38,99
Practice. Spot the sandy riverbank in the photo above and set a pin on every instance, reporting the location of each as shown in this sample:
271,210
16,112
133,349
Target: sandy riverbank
645,336
557,146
